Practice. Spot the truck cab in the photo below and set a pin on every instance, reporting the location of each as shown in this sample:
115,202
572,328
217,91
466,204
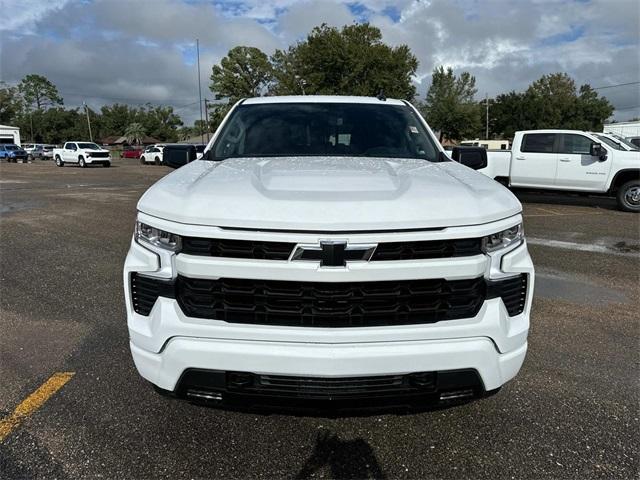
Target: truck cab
569,160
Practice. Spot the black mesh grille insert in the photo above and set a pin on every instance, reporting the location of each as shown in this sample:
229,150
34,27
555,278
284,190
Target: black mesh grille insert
318,387
428,249
320,304
217,247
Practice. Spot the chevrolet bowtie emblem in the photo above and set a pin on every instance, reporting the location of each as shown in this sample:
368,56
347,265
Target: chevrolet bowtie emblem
333,253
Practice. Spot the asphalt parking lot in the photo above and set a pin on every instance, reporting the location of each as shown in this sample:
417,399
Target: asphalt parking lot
573,411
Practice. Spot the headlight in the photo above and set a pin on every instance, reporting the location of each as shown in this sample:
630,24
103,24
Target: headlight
503,239
156,237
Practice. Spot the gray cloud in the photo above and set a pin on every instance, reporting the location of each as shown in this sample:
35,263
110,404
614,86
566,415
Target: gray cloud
142,50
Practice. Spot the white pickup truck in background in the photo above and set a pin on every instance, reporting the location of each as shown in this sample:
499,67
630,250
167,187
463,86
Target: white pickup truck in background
568,160
82,154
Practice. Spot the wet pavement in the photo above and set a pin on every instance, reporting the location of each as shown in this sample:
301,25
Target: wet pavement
572,412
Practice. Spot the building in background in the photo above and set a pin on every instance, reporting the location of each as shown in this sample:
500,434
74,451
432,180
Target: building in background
624,129
9,134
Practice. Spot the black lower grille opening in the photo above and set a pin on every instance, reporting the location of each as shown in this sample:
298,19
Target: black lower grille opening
513,292
320,304
146,290
247,384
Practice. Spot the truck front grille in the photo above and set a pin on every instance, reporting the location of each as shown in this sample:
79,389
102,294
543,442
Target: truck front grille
319,304
99,154
260,250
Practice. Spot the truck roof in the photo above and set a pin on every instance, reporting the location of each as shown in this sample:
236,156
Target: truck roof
321,99
552,130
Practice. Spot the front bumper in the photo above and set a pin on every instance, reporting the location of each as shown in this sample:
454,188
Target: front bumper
91,160
164,369
167,343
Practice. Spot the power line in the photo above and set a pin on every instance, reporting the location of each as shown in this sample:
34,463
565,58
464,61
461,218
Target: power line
616,85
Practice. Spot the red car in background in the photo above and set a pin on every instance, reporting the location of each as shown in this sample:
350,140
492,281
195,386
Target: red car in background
131,152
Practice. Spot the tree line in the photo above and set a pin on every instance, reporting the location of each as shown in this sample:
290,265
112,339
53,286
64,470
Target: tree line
352,60
36,107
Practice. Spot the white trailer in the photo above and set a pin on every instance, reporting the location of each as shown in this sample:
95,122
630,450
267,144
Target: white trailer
9,134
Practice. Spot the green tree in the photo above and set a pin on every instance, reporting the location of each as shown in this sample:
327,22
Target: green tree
592,110
160,122
508,113
244,72
10,104
116,118
348,61
450,106
38,92
552,101
135,132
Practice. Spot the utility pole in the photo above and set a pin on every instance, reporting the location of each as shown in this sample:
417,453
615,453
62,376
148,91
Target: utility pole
486,137
86,109
199,88
31,123
206,118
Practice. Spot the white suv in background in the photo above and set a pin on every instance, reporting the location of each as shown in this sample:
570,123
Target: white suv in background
152,154
326,251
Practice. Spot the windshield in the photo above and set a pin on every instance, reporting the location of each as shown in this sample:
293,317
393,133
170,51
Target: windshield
90,146
626,142
324,129
12,147
612,143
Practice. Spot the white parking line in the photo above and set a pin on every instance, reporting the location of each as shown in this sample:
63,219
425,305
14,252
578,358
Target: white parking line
583,247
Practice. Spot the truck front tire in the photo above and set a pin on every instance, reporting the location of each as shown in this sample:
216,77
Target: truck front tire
629,196
81,162
59,161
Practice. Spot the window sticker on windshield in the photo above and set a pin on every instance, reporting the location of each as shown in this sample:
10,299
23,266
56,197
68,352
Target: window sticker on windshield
413,129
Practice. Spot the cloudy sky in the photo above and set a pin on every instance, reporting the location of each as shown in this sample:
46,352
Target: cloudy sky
138,51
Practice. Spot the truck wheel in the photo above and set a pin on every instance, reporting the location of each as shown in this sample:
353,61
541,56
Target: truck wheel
82,163
59,161
106,164
629,196
157,161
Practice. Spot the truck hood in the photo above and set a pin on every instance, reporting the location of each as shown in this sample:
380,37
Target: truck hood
328,194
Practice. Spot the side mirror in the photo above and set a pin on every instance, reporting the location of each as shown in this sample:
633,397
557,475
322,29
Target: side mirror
472,157
596,150
175,156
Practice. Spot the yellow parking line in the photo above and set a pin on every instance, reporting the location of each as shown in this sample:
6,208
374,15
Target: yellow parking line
33,402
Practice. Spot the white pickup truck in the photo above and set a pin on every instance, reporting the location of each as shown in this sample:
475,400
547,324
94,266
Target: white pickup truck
82,154
568,160
326,249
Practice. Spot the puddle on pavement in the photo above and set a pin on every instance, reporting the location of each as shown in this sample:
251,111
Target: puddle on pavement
561,287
